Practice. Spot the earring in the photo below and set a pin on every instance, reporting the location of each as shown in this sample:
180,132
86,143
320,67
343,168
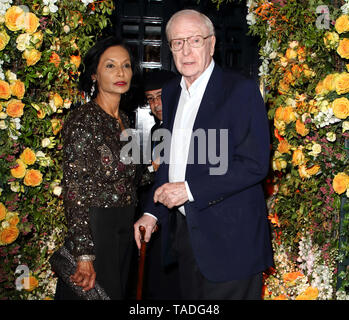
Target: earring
93,89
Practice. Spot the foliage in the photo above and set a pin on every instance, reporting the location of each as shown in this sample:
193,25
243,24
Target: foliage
304,73
41,44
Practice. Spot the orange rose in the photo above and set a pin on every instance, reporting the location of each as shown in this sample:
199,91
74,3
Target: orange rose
55,59
28,156
17,89
301,54
342,83
4,39
15,18
342,24
292,276
14,108
76,60
320,88
298,157
284,87
3,211
56,126
340,108
343,48
8,235
13,221
285,114
301,128
33,178
31,56
30,283
280,297
313,169
19,170
309,294
31,22
283,147
5,91
340,182
41,114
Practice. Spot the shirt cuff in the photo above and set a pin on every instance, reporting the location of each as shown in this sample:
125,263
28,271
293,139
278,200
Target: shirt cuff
149,214
190,196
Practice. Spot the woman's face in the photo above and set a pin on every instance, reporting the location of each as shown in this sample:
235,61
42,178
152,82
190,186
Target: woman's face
114,72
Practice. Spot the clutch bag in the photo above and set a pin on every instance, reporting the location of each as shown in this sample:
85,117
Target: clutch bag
63,264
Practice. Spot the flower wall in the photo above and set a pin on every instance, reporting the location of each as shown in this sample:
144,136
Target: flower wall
41,45
304,51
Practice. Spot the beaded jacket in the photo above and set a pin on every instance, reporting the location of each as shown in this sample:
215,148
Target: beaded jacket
94,175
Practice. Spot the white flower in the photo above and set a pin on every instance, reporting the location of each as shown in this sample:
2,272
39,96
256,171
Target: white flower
45,142
331,136
345,126
51,5
3,115
345,8
57,190
23,41
315,150
3,125
86,2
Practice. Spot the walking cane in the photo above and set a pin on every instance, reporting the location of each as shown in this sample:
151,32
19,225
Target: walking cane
141,264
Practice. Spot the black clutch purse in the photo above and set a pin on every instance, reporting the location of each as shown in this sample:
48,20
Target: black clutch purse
63,264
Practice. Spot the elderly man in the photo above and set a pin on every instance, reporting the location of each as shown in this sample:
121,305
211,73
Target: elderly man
221,239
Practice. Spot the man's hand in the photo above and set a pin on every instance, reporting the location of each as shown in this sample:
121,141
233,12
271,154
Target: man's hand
84,275
172,194
149,223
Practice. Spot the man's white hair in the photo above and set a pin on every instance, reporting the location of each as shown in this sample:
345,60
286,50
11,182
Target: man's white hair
208,23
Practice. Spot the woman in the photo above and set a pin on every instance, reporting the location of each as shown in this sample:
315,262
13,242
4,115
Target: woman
99,189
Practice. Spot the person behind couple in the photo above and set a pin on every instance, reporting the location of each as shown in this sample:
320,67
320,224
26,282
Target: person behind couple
221,239
99,189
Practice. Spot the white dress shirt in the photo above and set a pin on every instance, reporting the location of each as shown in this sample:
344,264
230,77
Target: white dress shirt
188,106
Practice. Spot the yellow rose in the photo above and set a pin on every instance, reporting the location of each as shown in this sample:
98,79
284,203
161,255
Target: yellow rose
340,182
9,235
3,211
343,48
341,82
30,283
4,39
14,108
331,39
309,294
32,178
291,54
17,88
279,164
32,56
329,82
57,100
301,128
5,91
56,126
284,87
298,157
15,18
19,170
31,22
340,108
302,170
342,24
37,39
28,156
320,89
313,169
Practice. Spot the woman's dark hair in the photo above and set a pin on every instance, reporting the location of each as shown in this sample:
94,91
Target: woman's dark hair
90,64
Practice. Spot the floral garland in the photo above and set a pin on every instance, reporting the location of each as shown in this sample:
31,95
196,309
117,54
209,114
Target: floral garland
41,44
305,52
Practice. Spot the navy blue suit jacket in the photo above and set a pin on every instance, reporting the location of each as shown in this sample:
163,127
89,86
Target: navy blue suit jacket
227,220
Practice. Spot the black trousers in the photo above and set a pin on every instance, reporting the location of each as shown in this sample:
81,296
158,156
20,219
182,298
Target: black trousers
194,286
112,232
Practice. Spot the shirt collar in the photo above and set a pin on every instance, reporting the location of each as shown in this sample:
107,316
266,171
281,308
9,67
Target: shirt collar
200,82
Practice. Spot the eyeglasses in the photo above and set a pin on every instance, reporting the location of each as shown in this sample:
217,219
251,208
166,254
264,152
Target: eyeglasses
152,99
194,41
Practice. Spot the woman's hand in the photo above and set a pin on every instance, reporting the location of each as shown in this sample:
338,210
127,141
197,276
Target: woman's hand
84,275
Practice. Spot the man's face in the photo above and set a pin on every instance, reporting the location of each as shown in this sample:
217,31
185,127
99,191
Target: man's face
191,62
154,100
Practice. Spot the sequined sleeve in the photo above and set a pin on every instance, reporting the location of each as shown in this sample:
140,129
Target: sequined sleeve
78,185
